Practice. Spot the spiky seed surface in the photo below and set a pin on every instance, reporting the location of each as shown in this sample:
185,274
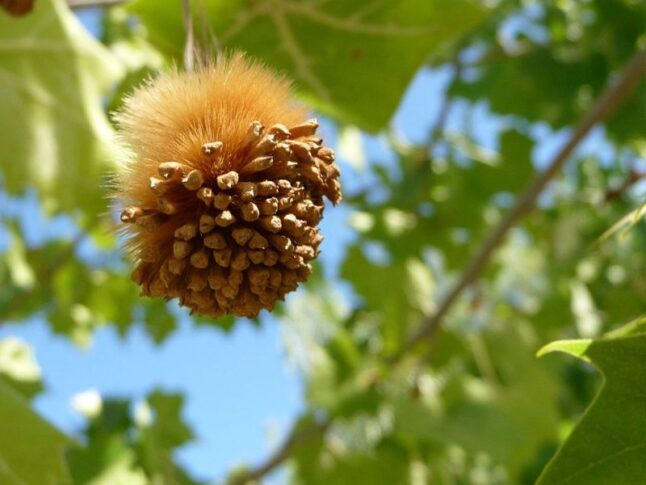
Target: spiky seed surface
224,188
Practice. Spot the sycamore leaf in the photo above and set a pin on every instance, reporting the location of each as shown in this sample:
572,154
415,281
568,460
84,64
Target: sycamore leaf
352,60
18,366
609,444
31,450
53,130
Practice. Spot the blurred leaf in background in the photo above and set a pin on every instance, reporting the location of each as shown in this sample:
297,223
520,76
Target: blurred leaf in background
343,55
54,133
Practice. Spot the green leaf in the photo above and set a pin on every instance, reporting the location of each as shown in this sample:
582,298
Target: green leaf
18,366
400,306
608,444
121,472
343,55
53,132
31,450
158,440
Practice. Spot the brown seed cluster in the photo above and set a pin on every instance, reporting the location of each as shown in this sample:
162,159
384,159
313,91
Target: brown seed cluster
231,231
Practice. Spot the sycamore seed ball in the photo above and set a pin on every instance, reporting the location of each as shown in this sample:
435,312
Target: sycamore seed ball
223,191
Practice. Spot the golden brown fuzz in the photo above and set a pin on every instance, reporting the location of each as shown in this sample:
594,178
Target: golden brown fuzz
224,190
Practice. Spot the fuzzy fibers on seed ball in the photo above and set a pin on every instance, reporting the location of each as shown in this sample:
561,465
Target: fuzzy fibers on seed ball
223,187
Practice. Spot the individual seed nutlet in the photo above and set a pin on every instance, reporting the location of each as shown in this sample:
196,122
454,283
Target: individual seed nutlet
224,190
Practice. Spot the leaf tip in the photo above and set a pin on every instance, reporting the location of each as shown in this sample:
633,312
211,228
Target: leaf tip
577,348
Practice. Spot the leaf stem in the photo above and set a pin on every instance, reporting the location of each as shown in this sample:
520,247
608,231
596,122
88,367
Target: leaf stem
295,438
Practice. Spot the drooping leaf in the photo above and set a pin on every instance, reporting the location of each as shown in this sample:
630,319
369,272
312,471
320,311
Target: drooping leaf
53,132
608,444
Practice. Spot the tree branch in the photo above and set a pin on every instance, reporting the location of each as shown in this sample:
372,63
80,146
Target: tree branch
634,176
74,4
609,101
295,438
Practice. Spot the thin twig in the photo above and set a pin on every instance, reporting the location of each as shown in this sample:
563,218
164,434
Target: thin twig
295,438
74,4
609,101
634,176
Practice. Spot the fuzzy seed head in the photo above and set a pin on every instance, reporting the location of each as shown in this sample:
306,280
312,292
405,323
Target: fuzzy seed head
223,189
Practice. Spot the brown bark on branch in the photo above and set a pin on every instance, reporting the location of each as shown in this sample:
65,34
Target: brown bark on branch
606,105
